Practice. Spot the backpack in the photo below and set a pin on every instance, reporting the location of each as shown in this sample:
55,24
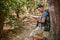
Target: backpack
47,22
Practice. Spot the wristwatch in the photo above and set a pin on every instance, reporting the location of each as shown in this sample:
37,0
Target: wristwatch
39,21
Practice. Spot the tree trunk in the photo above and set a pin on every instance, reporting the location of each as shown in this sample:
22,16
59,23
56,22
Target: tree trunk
1,23
3,34
57,10
54,18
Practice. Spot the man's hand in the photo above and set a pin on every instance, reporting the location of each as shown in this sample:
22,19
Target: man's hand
35,17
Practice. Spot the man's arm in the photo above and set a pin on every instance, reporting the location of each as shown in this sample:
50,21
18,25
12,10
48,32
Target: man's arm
44,15
35,17
42,21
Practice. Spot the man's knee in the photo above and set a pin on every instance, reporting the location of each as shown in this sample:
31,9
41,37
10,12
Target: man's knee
37,37
31,35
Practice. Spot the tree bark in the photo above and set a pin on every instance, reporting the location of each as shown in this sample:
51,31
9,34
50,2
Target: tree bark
1,23
57,10
54,18
3,34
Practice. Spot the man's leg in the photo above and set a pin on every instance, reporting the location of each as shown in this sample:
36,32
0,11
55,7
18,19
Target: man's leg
37,37
39,31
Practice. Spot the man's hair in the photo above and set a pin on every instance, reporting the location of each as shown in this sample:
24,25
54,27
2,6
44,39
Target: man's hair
39,6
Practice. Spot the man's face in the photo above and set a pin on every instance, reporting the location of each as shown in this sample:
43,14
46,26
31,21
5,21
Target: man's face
41,9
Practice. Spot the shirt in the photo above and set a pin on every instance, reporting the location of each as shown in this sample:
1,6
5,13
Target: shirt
43,15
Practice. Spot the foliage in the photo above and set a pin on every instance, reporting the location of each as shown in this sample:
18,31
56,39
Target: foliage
8,6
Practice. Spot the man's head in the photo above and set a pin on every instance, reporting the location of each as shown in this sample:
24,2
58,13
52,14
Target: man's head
40,8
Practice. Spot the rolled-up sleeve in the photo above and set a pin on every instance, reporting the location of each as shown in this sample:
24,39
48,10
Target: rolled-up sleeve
44,15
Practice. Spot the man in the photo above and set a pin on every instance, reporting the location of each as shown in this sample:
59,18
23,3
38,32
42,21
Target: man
38,33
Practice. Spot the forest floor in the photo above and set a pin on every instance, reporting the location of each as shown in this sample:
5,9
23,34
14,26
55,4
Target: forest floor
23,33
